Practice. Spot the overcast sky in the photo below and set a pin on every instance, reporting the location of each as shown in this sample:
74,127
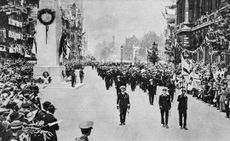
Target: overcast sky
121,18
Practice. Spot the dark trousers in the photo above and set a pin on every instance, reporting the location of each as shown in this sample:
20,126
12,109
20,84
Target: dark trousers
73,83
227,110
151,98
182,114
123,115
81,79
171,94
164,116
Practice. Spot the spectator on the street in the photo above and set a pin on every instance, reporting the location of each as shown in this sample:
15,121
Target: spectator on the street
182,109
165,106
49,118
81,75
227,100
123,104
73,79
86,128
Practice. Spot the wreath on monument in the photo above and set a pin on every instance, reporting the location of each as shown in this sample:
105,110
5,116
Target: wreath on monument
46,16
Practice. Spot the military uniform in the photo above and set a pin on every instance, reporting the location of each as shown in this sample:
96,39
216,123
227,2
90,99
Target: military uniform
86,128
152,87
123,104
165,106
182,109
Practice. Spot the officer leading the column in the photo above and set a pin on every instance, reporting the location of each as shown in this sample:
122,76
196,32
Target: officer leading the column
123,104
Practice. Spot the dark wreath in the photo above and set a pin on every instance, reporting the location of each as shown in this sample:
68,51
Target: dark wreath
48,11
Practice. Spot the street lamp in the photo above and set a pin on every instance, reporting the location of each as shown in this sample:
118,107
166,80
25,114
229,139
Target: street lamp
121,54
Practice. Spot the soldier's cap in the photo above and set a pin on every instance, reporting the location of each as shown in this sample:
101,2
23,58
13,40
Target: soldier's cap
123,87
86,125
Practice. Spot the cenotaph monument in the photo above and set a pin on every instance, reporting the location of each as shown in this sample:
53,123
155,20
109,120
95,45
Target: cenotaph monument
48,34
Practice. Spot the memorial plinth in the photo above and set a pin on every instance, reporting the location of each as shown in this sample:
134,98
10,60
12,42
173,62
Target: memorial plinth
48,40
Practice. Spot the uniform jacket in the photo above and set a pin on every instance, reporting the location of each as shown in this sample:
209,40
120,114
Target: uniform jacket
171,87
164,102
123,101
152,88
183,102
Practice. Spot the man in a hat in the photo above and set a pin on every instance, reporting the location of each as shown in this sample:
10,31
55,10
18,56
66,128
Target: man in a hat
182,109
123,104
165,106
86,128
14,131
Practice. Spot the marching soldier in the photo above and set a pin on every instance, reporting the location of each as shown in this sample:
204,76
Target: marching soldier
123,104
182,109
172,89
119,82
165,106
152,87
86,128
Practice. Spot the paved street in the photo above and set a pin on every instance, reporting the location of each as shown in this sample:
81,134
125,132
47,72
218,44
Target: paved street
93,102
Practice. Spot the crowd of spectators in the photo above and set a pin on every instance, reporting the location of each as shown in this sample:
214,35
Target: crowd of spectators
22,115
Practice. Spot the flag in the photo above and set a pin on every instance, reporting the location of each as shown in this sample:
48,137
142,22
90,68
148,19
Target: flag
34,47
185,66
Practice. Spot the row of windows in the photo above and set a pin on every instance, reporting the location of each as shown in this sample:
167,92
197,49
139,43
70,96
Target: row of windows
196,8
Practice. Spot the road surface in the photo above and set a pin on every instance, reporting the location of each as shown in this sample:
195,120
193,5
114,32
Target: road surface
92,101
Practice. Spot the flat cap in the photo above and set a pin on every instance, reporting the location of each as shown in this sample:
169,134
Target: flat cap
86,125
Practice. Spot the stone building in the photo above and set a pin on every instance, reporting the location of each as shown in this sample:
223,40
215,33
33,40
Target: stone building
170,17
17,27
72,26
196,20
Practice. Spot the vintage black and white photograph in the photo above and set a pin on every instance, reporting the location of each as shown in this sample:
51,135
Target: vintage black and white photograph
114,70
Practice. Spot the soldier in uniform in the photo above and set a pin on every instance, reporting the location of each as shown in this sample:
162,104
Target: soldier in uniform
182,109
172,89
123,104
152,87
165,106
119,82
86,128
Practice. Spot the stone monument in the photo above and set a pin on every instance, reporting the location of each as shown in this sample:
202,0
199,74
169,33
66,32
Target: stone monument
48,34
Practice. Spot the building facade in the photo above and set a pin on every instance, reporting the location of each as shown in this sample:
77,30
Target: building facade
72,21
170,17
198,29
17,27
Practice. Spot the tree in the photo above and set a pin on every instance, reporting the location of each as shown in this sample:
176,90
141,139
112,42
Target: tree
153,53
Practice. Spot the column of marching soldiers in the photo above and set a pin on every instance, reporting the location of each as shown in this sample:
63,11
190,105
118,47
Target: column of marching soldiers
147,79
